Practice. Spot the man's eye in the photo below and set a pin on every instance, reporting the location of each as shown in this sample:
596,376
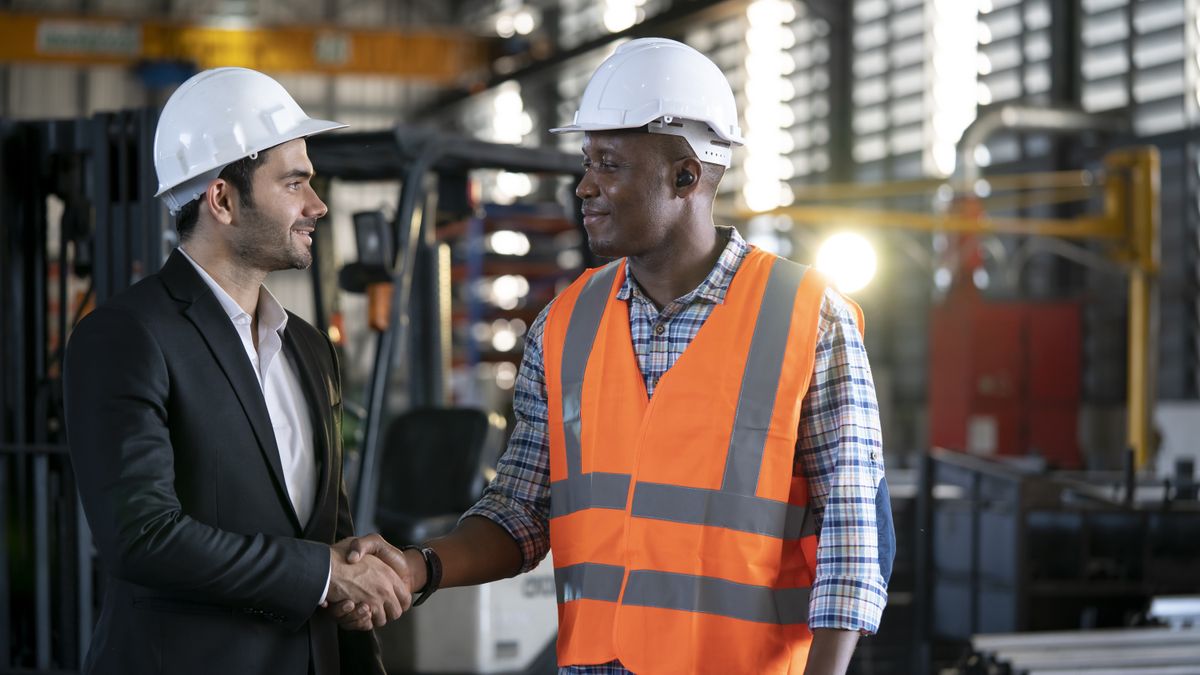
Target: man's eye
603,165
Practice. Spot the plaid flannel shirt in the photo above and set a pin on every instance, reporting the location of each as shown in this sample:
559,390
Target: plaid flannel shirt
839,449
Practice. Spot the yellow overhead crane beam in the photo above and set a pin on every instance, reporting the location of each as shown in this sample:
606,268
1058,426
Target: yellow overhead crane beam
442,57
1129,222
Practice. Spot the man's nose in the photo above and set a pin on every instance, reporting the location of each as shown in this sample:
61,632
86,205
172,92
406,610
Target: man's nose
586,187
315,208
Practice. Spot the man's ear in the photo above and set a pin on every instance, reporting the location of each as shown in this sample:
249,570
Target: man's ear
687,174
219,197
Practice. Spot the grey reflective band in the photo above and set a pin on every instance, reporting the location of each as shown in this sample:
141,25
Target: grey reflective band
717,508
588,581
707,595
683,592
581,334
760,380
589,491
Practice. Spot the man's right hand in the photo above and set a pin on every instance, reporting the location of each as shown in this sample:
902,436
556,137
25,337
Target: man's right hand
409,565
368,583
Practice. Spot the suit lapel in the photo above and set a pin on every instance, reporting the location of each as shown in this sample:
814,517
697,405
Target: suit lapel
307,366
218,332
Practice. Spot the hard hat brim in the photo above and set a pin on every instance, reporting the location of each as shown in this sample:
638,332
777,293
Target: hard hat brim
581,128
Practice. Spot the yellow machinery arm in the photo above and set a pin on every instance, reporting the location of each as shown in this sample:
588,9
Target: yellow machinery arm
1129,222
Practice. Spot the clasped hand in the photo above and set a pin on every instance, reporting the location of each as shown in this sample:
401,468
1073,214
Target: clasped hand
370,584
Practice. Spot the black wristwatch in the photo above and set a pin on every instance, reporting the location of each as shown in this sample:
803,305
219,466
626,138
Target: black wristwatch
433,571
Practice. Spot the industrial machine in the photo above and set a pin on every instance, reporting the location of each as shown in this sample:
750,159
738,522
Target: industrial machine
1003,546
1116,651
71,190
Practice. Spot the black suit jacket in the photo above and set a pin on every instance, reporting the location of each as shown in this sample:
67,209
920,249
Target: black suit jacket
208,568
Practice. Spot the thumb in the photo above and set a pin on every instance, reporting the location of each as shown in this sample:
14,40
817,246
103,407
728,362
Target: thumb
376,545
361,546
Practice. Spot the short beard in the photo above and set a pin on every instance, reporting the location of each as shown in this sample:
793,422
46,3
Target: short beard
259,246
604,248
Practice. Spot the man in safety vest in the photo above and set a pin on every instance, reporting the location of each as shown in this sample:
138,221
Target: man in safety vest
697,435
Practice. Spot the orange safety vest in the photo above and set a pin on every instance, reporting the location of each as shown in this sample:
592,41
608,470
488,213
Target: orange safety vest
682,541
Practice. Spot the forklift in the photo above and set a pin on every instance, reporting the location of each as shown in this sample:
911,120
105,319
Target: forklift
422,461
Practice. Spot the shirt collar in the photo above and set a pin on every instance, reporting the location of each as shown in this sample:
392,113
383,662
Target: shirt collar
271,314
716,284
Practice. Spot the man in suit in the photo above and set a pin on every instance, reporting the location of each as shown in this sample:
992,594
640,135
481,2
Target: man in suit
205,420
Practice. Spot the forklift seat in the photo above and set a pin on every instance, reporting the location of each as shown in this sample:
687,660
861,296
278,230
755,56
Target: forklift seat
434,465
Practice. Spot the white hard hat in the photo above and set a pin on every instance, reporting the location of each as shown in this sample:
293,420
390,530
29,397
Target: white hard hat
668,86
216,118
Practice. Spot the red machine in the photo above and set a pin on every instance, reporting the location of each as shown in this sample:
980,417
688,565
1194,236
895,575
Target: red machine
1004,377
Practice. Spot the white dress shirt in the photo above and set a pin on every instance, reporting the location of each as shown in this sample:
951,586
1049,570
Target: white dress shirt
286,404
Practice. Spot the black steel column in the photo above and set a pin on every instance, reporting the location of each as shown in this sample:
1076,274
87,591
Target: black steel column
154,217
8,328
840,17
103,272
33,385
118,202
923,570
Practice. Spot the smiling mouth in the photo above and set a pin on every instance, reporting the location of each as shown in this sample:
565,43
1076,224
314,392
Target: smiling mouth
306,234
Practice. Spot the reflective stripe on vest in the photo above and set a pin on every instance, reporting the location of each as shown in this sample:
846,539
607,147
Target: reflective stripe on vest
734,506
588,491
719,508
760,604
594,490
589,581
667,590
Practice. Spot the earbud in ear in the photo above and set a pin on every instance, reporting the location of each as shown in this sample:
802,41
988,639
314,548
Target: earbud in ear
684,179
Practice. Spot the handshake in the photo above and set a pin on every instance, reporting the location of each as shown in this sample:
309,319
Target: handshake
371,582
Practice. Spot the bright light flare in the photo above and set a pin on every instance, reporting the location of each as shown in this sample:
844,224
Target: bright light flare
848,260
508,242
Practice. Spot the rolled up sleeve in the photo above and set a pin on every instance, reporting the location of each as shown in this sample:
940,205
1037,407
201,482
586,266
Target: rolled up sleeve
840,452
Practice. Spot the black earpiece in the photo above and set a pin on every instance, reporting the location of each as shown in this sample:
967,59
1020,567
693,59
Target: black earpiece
684,179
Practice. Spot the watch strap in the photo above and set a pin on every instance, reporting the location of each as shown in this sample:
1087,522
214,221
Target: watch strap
433,571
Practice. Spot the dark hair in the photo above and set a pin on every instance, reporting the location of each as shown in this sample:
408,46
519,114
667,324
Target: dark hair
240,174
